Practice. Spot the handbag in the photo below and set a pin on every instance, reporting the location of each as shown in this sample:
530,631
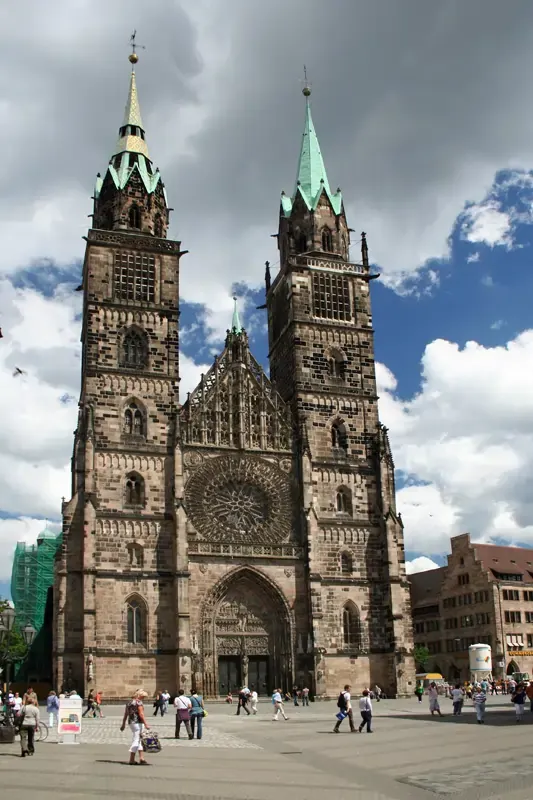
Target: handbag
183,714
341,715
150,742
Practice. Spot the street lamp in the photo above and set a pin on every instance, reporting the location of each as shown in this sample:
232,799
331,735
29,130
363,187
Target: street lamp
28,634
7,622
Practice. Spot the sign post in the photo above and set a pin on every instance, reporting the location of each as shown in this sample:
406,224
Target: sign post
69,720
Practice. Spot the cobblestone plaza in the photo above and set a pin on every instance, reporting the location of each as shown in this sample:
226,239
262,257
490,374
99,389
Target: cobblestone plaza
411,755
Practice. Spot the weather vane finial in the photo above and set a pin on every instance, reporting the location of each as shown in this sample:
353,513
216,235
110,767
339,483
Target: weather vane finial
133,57
306,91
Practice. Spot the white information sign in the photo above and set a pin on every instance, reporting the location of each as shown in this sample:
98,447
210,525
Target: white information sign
69,720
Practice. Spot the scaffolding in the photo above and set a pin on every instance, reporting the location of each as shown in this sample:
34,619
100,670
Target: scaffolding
32,576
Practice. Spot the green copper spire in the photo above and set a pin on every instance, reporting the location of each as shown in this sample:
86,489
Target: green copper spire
236,326
311,170
311,178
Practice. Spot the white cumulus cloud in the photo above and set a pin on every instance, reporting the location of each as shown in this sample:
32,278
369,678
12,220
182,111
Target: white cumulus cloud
420,564
463,445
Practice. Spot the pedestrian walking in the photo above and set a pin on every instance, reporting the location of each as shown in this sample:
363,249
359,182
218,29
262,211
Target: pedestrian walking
295,695
90,704
419,692
165,697
98,704
134,716
158,703
254,697
30,695
244,695
305,696
28,721
277,702
52,708
183,706
377,693
480,698
365,707
529,693
344,704
197,713
433,696
519,700
458,698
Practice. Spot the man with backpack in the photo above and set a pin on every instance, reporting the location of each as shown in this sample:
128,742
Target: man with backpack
345,709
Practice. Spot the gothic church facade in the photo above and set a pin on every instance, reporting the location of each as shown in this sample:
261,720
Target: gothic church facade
249,535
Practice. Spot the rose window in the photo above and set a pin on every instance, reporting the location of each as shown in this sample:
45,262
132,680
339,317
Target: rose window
239,500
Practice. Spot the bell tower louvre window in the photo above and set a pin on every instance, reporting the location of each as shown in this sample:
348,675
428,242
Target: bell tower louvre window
134,277
331,296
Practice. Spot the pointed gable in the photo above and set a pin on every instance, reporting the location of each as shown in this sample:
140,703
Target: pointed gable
235,405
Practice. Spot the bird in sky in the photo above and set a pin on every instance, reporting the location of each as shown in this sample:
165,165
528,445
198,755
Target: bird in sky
18,371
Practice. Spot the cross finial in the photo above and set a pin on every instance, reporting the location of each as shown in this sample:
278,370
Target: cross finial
306,91
133,57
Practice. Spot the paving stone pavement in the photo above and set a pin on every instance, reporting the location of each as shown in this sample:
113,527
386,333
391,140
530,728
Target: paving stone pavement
410,756
107,731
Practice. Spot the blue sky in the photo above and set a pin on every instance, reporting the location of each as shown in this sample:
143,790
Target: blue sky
480,293
438,178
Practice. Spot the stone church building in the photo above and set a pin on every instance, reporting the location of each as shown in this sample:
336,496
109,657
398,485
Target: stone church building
249,535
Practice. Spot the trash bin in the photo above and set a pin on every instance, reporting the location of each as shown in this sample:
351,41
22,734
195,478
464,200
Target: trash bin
7,734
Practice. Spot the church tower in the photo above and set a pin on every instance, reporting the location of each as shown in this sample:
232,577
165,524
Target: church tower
118,574
322,364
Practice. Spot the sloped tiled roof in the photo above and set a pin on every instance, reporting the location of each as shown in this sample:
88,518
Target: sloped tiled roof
426,586
500,561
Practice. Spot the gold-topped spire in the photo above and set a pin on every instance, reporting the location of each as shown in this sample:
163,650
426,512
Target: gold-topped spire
132,112
133,57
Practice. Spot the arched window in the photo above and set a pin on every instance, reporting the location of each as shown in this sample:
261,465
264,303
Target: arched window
301,243
337,365
158,226
134,495
133,351
343,500
135,217
351,627
327,240
133,420
136,621
339,437
135,555
346,564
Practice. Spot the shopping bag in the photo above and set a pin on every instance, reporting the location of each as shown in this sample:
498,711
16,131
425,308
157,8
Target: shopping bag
150,742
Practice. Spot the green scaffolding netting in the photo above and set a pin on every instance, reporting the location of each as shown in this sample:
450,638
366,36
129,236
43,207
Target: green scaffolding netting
32,576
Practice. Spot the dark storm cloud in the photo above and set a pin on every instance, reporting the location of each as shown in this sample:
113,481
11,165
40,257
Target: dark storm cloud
416,105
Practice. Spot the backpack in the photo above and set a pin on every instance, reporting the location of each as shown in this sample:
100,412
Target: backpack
341,702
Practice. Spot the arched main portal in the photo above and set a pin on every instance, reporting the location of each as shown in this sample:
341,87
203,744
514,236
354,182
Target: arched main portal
246,635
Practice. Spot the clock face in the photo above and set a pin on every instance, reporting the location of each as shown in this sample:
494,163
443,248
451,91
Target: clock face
239,499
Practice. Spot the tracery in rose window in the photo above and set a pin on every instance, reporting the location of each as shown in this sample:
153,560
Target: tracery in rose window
240,499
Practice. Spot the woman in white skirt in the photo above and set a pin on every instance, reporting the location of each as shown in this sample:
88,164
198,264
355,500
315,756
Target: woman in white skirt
134,716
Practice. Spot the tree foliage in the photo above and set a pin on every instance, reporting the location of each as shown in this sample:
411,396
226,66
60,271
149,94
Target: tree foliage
421,655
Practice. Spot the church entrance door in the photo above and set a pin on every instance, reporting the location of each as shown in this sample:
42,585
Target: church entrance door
258,674
246,635
229,675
